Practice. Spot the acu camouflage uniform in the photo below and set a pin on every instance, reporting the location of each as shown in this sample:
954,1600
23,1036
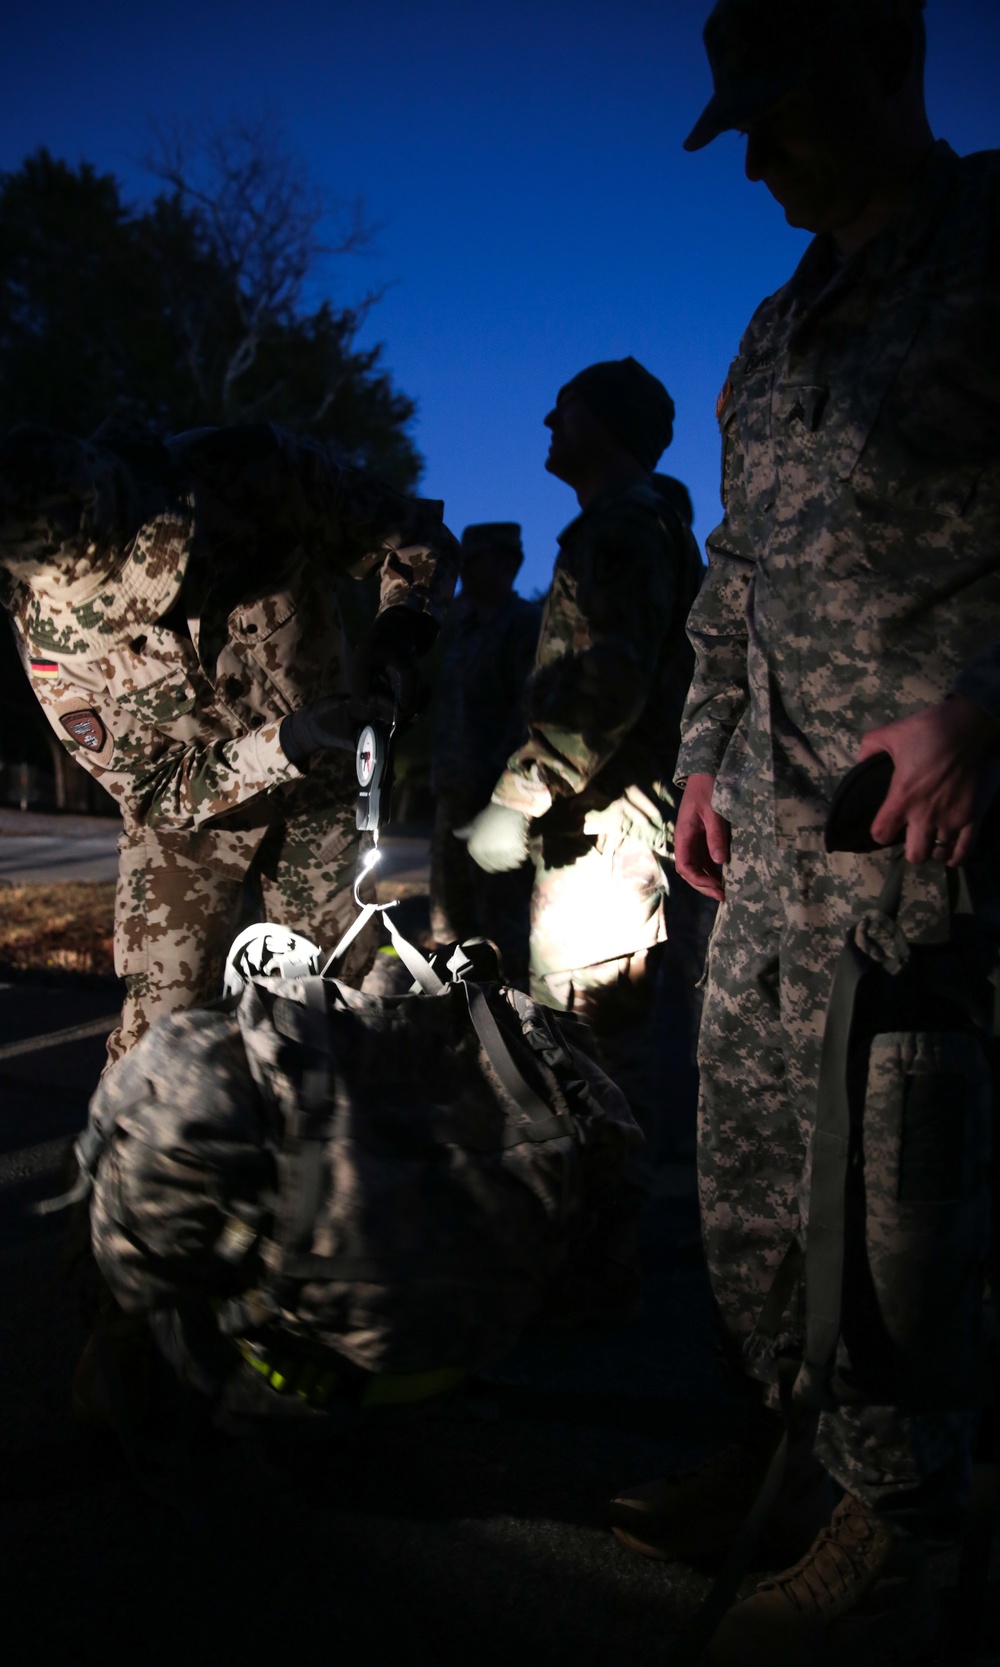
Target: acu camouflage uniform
854,580
603,708
485,657
239,601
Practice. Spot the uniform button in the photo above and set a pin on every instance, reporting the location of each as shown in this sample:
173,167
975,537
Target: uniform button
250,629
234,687
137,644
256,722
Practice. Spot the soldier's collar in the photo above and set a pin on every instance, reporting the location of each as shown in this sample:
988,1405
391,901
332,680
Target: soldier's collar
821,274
642,488
930,196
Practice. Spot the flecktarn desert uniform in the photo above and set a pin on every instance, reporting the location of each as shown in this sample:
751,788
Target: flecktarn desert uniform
175,605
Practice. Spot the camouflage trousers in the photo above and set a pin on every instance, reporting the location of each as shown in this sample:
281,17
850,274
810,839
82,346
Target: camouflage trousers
598,911
175,917
771,962
468,903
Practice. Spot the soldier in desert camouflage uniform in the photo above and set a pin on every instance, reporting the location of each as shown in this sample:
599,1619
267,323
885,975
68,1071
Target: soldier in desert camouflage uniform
851,607
486,651
192,622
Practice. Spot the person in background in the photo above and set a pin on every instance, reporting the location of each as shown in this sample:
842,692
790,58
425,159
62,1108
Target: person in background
485,653
588,795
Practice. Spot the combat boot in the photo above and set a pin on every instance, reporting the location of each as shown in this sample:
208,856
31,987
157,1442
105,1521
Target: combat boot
861,1594
696,1517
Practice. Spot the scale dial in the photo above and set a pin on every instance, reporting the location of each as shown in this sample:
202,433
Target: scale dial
373,763
367,758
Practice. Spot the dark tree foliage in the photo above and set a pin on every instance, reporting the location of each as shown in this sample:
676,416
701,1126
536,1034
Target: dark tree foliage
187,312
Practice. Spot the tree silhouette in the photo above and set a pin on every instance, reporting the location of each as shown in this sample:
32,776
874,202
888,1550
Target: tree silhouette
189,311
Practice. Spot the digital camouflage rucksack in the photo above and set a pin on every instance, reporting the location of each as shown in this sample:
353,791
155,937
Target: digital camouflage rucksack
377,1191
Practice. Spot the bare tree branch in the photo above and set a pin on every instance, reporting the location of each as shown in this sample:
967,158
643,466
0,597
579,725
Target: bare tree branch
266,225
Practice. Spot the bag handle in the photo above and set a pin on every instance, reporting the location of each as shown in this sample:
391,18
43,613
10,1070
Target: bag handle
416,964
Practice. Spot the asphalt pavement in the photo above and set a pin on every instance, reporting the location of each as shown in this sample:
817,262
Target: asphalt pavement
38,849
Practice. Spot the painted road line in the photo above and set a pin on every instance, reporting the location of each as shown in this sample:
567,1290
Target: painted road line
56,1038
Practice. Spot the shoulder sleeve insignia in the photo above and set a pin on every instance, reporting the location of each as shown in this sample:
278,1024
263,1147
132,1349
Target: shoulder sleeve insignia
45,668
724,398
85,728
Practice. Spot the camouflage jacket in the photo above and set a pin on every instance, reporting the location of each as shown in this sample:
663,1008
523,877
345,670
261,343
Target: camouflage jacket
179,717
604,699
856,576
478,703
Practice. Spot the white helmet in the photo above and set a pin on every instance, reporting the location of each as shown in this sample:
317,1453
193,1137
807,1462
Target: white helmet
268,951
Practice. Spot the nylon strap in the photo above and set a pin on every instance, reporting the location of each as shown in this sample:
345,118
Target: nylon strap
825,1240
301,1159
349,936
417,965
538,1123
772,1312
827,1197
695,1637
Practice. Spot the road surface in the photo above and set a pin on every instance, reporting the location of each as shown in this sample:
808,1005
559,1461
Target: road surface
37,849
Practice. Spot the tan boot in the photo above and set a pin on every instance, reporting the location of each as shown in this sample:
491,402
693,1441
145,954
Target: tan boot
697,1516
860,1595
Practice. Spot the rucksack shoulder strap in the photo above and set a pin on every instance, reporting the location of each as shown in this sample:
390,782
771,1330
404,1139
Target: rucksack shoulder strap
537,1120
825,1245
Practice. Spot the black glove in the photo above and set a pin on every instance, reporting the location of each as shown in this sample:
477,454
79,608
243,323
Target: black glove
328,724
389,658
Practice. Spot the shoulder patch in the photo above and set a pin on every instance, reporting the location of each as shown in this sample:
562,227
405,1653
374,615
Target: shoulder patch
725,396
86,728
45,668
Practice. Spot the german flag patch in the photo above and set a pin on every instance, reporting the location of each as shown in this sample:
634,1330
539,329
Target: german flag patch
45,668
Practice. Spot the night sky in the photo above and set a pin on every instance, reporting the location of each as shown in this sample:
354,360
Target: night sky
524,159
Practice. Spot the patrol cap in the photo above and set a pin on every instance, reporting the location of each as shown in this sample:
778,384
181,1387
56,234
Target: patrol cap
485,536
761,50
632,404
69,513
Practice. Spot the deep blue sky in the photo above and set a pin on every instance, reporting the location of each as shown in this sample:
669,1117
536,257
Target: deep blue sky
524,157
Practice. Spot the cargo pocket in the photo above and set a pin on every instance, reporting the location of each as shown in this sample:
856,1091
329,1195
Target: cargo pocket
913,1306
131,902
